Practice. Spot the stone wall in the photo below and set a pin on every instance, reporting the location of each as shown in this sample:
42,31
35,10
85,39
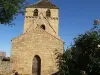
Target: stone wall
4,67
36,42
2,54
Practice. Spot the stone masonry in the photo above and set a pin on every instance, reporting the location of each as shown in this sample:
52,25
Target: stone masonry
33,52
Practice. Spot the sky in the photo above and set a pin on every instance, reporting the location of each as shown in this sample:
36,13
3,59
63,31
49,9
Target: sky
75,17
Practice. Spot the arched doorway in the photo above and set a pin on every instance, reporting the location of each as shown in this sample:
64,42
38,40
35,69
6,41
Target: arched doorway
36,67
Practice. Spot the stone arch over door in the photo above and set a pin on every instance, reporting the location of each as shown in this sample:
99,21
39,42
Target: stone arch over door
36,66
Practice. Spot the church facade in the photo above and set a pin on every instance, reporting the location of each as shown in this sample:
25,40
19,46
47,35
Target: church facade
34,51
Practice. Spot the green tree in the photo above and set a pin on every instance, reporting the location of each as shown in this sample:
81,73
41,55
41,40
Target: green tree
9,9
85,55
67,65
64,61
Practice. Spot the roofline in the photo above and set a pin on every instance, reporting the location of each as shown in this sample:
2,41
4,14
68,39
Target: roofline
39,7
34,30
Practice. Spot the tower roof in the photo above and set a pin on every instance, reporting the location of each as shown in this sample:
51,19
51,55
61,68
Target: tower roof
43,4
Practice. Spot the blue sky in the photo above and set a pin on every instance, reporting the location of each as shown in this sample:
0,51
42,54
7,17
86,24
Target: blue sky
76,17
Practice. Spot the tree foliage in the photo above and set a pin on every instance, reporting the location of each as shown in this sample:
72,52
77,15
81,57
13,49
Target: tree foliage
84,55
9,9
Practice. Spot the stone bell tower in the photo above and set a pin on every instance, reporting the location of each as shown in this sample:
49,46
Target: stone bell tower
33,52
43,14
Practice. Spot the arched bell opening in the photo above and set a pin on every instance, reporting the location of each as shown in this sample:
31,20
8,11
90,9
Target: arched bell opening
48,13
36,12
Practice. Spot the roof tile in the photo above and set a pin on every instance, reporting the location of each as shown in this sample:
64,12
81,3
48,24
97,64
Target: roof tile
43,4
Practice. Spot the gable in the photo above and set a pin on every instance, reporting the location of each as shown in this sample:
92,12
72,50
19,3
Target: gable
39,37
